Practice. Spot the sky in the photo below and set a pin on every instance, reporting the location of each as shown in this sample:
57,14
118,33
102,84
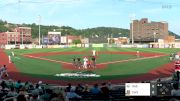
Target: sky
81,14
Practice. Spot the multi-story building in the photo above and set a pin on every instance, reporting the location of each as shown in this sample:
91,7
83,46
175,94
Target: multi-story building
3,38
20,35
144,31
25,34
13,37
70,38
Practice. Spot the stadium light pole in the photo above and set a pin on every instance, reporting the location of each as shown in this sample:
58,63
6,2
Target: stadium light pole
120,37
22,36
15,39
15,36
7,37
42,39
39,30
154,36
112,38
108,39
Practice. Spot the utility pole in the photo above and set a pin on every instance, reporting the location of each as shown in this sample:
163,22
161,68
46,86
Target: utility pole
15,36
22,36
42,38
108,39
154,36
39,30
7,36
112,38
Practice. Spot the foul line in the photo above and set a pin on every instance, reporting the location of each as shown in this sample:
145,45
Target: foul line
130,60
46,59
57,61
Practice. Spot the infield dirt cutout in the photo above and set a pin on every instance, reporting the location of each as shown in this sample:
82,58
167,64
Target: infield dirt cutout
162,71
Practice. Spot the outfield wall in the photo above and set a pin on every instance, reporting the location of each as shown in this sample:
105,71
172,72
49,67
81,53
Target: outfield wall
151,45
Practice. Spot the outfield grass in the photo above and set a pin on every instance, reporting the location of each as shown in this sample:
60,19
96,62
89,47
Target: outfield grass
46,69
101,58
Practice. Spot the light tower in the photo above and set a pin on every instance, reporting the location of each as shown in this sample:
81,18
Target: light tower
39,30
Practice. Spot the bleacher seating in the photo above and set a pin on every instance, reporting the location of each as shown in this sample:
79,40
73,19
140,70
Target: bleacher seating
117,93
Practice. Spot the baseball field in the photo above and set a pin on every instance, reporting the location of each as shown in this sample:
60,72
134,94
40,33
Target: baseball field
116,65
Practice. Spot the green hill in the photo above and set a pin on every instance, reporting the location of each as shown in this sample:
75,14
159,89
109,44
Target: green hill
103,32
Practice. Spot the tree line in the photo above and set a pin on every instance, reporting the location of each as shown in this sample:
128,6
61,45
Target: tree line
103,32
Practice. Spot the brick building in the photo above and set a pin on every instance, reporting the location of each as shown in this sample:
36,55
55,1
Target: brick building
13,37
70,38
25,34
3,38
144,31
20,35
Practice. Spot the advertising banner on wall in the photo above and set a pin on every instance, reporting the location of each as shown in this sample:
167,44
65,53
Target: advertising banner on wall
177,45
97,45
63,39
54,37
45,40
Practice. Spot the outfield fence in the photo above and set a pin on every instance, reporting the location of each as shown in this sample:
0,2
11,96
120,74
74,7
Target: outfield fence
151,45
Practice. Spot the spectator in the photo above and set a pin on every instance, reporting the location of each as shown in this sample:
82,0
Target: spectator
53,97
95,89
22,90
39,87
46,86
35,95
79,89
46,95
31,87
3,85
176,76
105,90
18,84
5,71
68,88
10,83
12,92
72,94
21,97
40,84
60,96
159,80
26,85
109,85
175,91
86,89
